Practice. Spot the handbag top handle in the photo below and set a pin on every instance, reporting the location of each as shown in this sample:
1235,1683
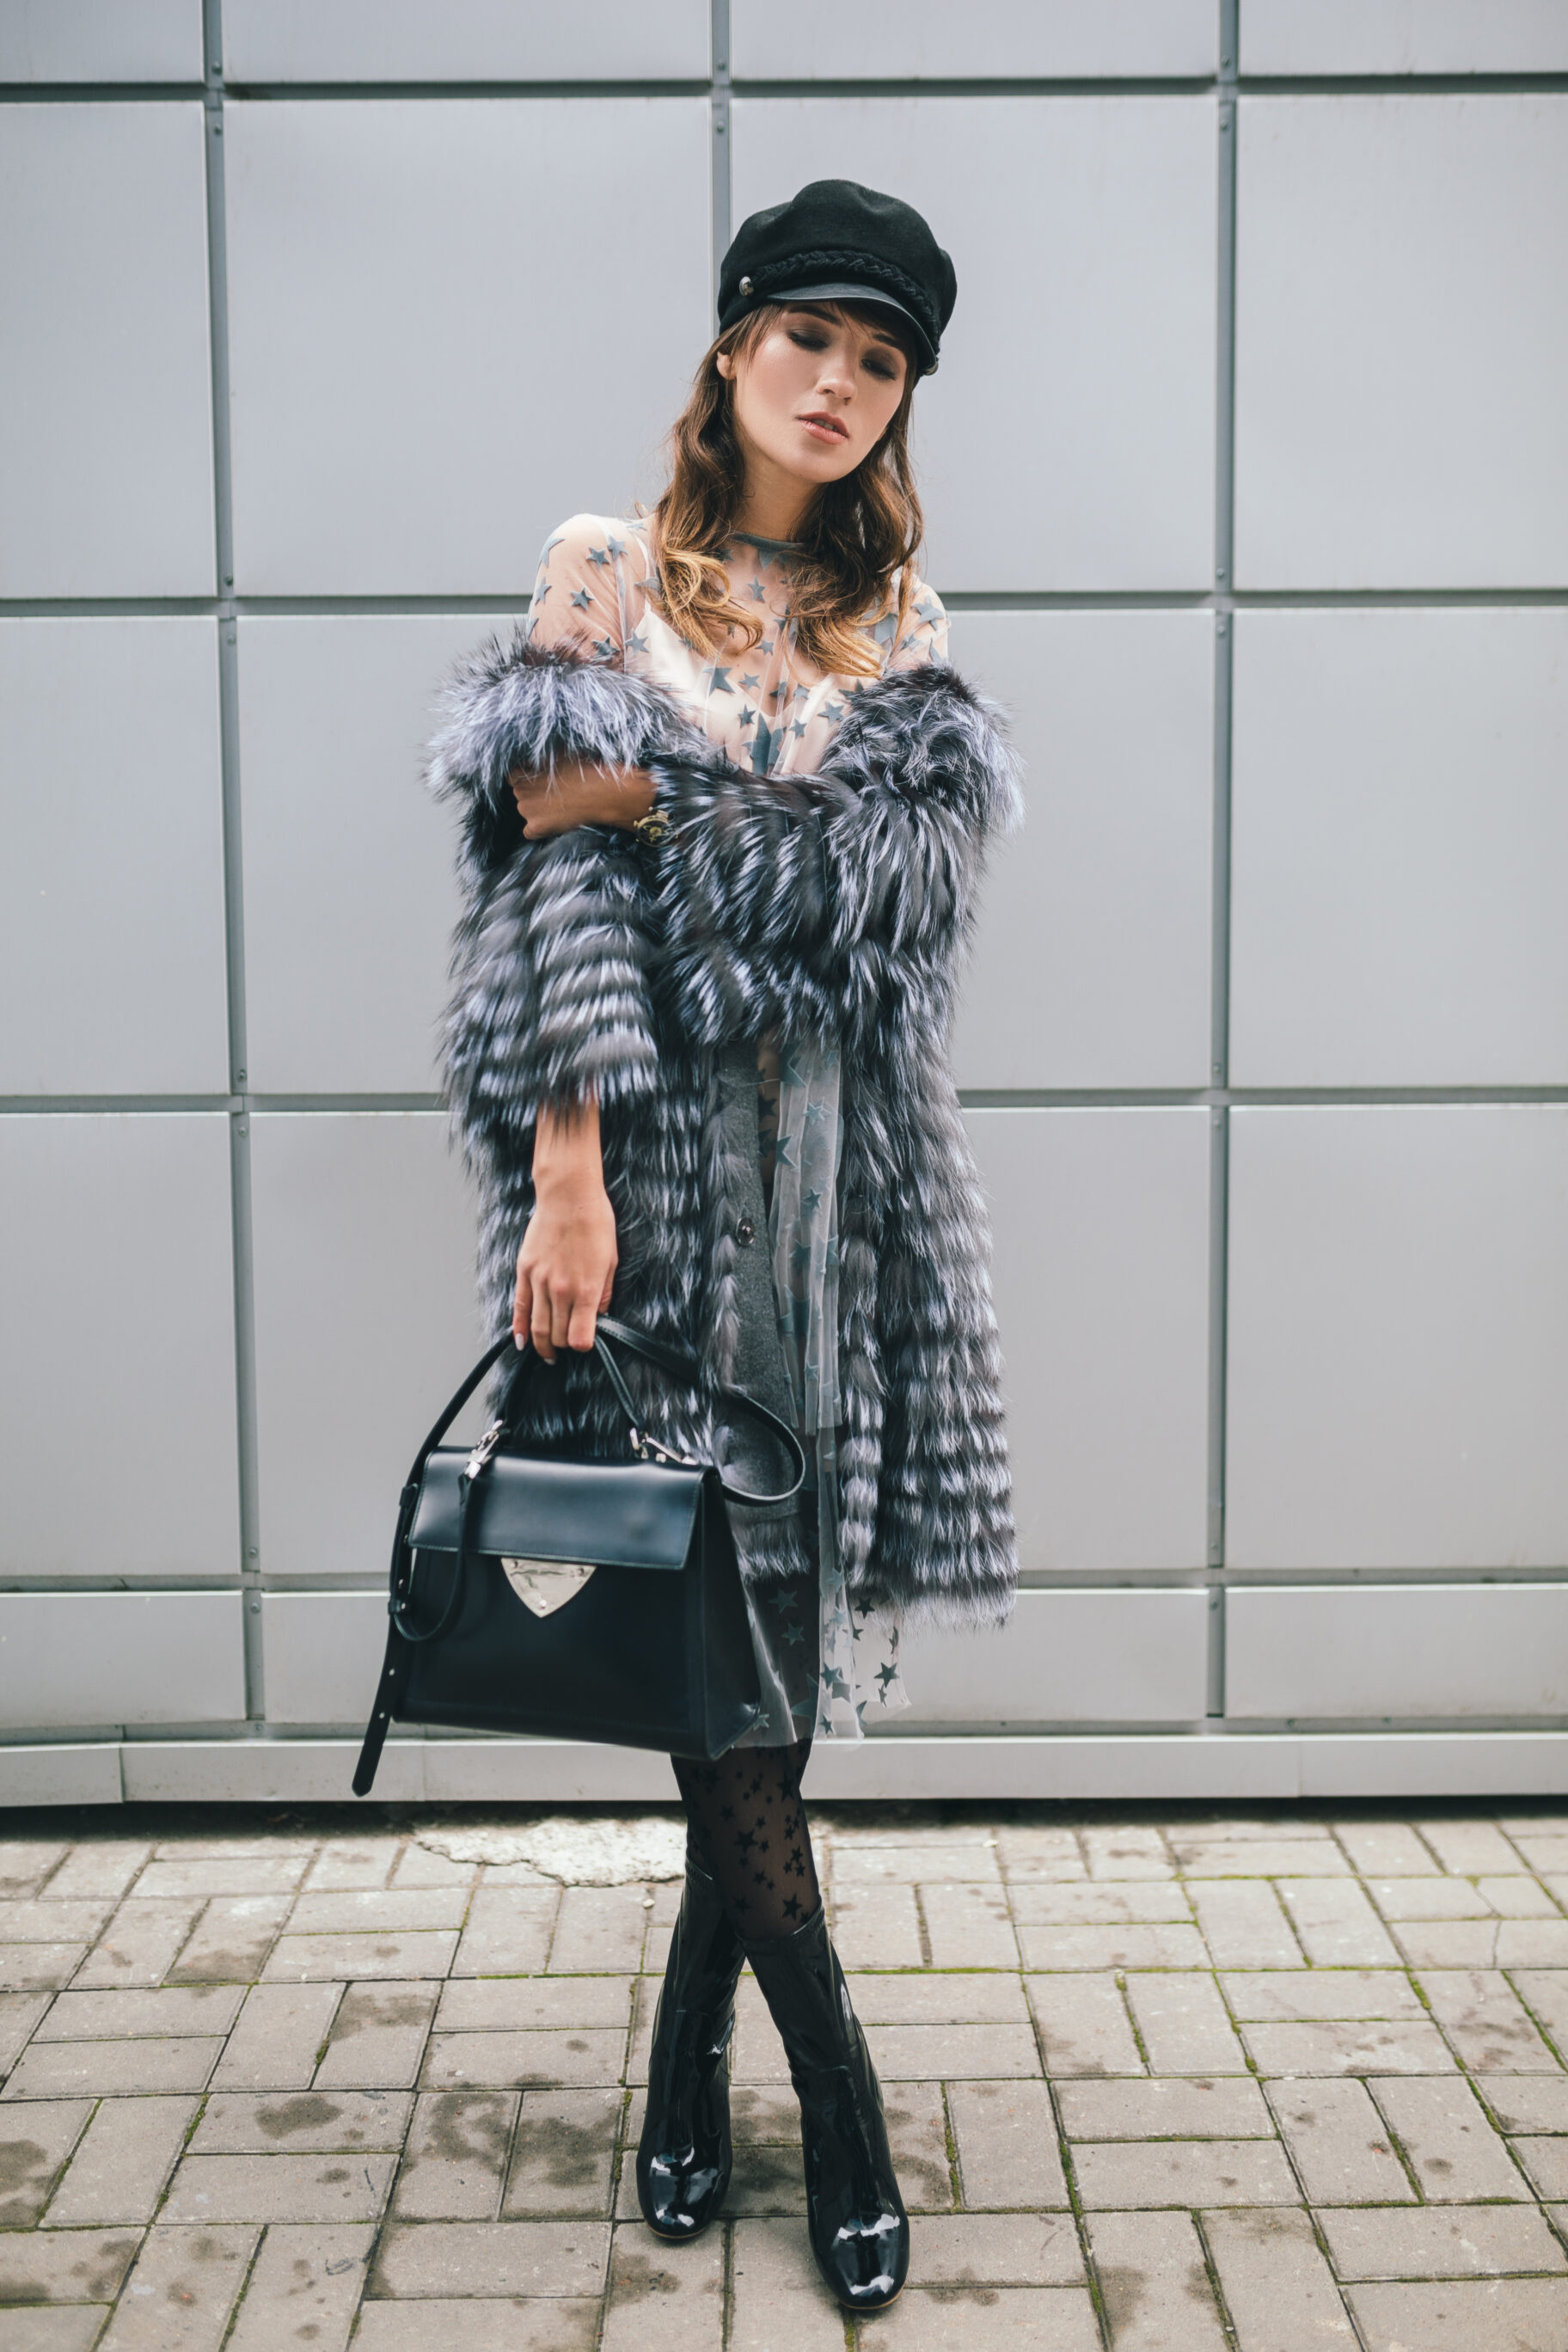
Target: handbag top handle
646,1449
638,1343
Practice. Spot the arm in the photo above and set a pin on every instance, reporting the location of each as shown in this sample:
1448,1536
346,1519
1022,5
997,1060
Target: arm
566,1266
578,793
552,1003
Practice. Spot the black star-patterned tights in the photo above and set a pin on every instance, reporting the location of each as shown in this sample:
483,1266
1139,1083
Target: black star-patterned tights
745,1823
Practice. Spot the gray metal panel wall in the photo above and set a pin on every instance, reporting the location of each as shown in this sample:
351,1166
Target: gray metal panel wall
1263,1052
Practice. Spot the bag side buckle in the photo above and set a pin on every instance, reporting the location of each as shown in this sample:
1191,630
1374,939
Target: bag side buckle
648,1449
484,1451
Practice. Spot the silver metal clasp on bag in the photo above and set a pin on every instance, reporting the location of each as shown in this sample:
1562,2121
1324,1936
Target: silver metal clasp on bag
485,1450
648,1449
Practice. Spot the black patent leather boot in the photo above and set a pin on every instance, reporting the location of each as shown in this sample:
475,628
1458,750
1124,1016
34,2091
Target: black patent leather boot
858,2228
683,2156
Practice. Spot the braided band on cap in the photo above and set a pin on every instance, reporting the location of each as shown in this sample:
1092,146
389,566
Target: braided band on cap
844,261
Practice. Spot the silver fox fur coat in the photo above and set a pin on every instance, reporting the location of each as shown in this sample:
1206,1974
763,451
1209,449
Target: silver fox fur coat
831,905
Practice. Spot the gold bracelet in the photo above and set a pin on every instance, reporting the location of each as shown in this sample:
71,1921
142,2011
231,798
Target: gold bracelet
652,828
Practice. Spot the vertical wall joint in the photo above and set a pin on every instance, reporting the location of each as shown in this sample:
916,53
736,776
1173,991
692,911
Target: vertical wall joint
249,1561
1224,651
723,135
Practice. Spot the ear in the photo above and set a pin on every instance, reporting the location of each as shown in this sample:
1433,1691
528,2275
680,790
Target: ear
724,363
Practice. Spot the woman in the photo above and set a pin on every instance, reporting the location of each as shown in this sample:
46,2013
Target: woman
724,808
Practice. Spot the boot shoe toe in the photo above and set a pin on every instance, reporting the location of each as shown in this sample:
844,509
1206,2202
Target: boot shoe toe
868,2263
679,2200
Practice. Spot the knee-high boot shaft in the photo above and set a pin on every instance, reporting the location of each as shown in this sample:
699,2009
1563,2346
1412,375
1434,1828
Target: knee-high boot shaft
858,2228
684,2157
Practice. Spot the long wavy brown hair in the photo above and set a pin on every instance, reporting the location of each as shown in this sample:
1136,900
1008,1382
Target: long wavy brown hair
855,536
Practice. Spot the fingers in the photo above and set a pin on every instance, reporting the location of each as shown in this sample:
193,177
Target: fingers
579,1330
540,1322
525,1324
532,808
554,1318
565,1271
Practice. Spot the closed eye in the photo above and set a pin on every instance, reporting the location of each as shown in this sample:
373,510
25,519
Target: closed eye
875,362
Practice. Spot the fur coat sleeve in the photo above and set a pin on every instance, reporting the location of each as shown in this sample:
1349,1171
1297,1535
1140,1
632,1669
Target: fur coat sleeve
825,902
837,905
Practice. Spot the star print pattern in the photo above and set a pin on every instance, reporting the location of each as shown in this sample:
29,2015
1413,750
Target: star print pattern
597,593
823,1666
745,1824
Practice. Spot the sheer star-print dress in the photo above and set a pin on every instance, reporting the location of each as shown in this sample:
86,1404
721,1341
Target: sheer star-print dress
824,1667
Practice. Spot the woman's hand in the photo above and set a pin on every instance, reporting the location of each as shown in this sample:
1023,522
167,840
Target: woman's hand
566,1266
579,793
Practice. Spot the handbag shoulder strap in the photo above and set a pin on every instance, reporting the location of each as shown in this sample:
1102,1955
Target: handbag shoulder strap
684,1367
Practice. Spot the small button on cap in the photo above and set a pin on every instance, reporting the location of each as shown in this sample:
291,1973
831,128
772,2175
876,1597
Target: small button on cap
746,286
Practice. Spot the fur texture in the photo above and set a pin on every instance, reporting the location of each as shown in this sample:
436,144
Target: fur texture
833,905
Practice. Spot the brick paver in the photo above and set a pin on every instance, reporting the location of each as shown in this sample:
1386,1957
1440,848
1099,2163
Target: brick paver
1264,2081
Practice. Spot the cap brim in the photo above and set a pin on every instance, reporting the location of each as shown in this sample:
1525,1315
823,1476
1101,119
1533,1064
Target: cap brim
843,291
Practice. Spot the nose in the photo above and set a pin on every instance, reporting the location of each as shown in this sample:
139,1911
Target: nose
837,376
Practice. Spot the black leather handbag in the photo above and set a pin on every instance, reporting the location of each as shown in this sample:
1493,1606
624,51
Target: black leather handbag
595,1601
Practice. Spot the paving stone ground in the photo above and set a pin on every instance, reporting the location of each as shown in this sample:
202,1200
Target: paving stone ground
1278,2081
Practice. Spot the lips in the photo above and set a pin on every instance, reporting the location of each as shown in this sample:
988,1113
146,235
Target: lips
828,426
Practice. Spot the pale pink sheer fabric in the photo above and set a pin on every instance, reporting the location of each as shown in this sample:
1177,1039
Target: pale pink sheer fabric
769,707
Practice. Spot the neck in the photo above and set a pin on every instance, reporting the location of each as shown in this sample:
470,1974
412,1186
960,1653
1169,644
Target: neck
774,503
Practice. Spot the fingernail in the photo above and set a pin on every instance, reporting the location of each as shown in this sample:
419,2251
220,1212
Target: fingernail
518,1340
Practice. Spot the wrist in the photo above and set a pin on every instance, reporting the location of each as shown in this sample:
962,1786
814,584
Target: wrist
651,821
634,800
566,1149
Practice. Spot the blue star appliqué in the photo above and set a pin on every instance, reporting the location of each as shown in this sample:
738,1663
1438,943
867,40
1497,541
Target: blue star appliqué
582,600
598,555
720,682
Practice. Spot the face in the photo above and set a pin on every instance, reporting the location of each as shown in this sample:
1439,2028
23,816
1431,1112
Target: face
817,394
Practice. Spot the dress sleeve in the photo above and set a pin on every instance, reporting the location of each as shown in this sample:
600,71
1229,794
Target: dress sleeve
925,633
580,595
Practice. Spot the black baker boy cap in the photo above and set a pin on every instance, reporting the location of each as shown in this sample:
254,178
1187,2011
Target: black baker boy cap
838,242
